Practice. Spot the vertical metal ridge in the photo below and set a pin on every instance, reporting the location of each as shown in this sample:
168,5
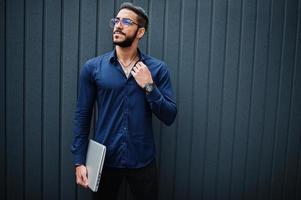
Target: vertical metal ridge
115,7
251,103
207,97
24,103
295,63
275,120
163,58
78,63
94,116
195,49
165,19
236,92
298,170
221,110
42,98
165,14
148,33
292,92
278,98
97,27
222,97
5,96
114,14
265,94
5,114
177,90
60,99
79,40
251,98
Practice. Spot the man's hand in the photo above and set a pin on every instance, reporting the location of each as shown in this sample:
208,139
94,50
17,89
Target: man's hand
141,74
81,176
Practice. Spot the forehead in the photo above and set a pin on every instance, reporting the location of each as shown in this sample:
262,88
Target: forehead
126,13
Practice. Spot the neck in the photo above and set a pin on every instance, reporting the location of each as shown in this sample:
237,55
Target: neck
126,54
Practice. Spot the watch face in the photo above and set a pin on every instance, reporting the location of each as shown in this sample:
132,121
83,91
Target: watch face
149,87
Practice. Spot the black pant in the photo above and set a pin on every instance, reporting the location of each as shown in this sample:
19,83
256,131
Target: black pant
143,182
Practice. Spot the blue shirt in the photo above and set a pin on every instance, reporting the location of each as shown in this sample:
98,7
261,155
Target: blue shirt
124,123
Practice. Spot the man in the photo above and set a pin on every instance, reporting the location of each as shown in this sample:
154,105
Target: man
128,86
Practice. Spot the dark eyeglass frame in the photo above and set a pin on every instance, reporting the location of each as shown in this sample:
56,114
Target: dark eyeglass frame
126,22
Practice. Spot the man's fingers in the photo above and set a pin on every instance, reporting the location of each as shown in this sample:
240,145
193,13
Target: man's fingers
85,179
81,176
139,67
133,73
141,64
138,64
79,180
135,68
82,181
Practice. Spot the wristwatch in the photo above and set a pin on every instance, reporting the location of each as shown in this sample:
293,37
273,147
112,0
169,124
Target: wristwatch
149,87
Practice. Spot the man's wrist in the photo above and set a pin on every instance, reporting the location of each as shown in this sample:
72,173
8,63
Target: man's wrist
149,87
77,165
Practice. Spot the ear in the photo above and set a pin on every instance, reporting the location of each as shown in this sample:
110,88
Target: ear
140,33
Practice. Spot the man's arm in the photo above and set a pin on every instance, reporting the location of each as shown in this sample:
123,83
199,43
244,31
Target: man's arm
84,109
161,98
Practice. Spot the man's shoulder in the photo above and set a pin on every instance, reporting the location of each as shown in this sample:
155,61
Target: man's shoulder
153,61
97,59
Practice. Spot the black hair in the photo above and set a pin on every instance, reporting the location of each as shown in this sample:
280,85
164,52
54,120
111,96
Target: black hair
142,16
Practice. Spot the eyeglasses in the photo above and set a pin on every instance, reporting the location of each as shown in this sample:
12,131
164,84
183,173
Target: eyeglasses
126,22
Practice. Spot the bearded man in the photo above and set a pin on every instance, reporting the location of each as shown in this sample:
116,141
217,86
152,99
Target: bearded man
128,87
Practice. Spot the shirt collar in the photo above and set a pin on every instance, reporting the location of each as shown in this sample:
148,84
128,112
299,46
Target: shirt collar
113,56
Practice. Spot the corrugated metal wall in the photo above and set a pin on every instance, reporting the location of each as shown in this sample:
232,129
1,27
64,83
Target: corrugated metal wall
236,70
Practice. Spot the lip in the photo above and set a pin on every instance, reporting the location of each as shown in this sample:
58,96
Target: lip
118,32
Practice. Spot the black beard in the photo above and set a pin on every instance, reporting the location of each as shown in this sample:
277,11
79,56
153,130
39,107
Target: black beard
127,42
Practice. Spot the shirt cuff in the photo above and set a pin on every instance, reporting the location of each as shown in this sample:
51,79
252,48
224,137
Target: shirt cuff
79,160
153,96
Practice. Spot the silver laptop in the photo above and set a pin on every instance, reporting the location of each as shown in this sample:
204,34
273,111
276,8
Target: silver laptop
94,162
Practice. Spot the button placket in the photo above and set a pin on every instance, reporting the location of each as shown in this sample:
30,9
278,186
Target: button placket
125,121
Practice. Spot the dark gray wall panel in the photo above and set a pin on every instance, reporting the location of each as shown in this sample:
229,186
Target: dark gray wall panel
33,98
271,93
184,89
257,100
15,61
235,69
68,92
51,99
228,118
244,91
86,49
293,181
215,92
155,47
169,136
284,99
200,99
2,102
105,11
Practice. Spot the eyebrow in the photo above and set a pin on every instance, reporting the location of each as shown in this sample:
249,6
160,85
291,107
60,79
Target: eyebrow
124,18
